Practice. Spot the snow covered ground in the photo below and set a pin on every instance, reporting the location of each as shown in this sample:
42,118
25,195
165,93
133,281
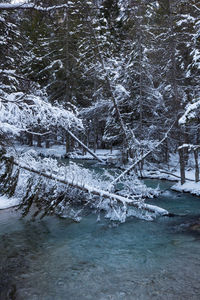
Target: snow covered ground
59,151
173,173
6,202
189,187
104,154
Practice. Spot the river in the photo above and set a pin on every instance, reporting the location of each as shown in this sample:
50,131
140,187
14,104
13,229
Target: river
55,259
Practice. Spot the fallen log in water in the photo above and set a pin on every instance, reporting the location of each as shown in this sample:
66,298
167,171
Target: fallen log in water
97,192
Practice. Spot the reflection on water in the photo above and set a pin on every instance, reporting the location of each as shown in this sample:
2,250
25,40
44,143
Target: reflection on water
56,259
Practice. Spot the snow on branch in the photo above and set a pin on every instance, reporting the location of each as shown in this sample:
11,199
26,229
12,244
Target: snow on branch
197,8
9,6
76,181
20,112
190,147
55,188
190,112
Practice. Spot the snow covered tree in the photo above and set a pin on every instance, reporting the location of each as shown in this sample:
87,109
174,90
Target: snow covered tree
181,21
11,52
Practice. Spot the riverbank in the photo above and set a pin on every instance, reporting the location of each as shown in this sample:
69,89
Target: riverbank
172,173
190,186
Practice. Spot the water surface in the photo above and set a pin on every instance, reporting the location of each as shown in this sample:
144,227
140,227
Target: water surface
57,259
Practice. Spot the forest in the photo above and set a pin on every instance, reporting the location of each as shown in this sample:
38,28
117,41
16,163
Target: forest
102,74
99,149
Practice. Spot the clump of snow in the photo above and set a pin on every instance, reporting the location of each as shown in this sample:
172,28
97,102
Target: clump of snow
120,89
9,129
189,187
6,202
158,174
185,20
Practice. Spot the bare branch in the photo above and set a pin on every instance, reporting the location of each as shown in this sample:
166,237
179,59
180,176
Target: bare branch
142,157
37,133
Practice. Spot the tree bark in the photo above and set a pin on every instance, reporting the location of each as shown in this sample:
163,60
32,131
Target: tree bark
182,165
67,143
47,143
196,154
30,139
39,141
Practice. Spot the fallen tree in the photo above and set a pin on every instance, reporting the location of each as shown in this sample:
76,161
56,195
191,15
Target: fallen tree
84,146
116,206
171,174
141,158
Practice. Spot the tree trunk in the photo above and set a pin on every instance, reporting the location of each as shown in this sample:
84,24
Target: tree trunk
124,155
141,164
95,143
196,154
67,143
47,143
39,141
85,142
182,165
30,139
166,152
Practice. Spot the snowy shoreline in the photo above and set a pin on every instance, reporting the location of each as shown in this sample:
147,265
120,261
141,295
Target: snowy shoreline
6,202
189,186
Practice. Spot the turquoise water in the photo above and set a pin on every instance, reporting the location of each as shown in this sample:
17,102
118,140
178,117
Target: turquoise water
55,259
